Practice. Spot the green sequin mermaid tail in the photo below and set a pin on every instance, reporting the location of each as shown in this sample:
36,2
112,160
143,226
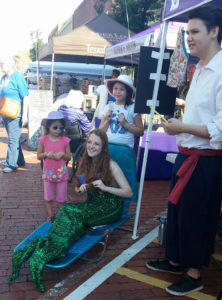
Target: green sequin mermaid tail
73,221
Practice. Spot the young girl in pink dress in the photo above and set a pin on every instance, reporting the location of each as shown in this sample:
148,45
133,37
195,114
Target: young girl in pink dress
54,150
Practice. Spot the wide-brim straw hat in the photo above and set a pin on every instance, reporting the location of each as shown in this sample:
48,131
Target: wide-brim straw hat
124,79
55,115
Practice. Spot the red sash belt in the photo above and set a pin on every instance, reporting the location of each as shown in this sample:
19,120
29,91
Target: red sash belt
187,168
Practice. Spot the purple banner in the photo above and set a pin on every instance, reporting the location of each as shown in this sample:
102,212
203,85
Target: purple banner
177,7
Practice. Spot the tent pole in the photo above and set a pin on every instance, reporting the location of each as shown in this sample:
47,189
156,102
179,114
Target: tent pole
52,70
149,131
37,72
104,72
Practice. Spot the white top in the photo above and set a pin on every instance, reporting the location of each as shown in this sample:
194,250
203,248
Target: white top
102,92
204,106
74,98
115,132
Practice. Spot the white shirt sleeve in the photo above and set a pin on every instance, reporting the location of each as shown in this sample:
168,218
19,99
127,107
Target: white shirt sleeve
215,128
106,108
103,97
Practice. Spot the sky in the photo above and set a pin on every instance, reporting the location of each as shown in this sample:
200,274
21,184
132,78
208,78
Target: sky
20,17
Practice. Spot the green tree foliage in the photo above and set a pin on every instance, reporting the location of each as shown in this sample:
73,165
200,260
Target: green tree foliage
99,6
141,13
37,43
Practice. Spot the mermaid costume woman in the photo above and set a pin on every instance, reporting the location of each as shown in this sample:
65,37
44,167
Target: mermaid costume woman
73,221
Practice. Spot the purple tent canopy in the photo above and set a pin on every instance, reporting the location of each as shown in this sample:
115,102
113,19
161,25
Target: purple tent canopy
177,9
128,51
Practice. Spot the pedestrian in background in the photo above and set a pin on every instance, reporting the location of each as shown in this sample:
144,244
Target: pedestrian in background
13,86
104,98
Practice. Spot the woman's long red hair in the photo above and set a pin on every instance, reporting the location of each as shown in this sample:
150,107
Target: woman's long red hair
98,167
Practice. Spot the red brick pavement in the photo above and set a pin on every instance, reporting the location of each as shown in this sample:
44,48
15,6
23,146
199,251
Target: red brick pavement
22,206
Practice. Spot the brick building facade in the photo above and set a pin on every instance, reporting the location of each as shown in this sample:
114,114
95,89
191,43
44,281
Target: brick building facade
86,12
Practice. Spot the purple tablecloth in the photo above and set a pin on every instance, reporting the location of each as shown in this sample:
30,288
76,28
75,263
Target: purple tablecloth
157,166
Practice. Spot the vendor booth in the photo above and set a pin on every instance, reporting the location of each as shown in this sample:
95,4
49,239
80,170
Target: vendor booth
87,76
127,52
85,44
177,11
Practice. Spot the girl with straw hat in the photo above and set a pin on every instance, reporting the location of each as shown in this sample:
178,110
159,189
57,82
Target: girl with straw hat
119,120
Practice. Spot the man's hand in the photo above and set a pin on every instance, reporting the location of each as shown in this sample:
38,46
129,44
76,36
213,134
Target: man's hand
180,102
173,127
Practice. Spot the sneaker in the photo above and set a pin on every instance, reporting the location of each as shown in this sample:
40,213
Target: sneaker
185,286
3,162
8,170
163,266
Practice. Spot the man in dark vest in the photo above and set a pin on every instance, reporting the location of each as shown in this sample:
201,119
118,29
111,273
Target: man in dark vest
196,189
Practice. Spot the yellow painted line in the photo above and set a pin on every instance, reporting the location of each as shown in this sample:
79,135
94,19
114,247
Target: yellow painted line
217,256
143,278
155,241
159,283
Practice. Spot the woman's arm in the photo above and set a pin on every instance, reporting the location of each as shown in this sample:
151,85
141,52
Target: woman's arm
25,110
124,190
137,128
40,154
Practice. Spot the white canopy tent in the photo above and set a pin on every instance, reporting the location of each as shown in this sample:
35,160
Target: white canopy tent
176,10
128,51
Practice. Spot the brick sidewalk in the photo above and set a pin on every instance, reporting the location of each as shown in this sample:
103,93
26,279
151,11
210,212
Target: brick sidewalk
23,210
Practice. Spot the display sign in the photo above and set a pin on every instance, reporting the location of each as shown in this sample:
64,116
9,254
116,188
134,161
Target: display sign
178,7
40,104
146,80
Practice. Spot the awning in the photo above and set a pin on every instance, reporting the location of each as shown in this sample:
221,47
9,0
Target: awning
178,9
128,51
87,43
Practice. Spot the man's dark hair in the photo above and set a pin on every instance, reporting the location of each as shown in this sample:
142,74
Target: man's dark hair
73,82
116,72
211,16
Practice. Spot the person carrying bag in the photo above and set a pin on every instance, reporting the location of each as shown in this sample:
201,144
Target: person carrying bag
13,94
